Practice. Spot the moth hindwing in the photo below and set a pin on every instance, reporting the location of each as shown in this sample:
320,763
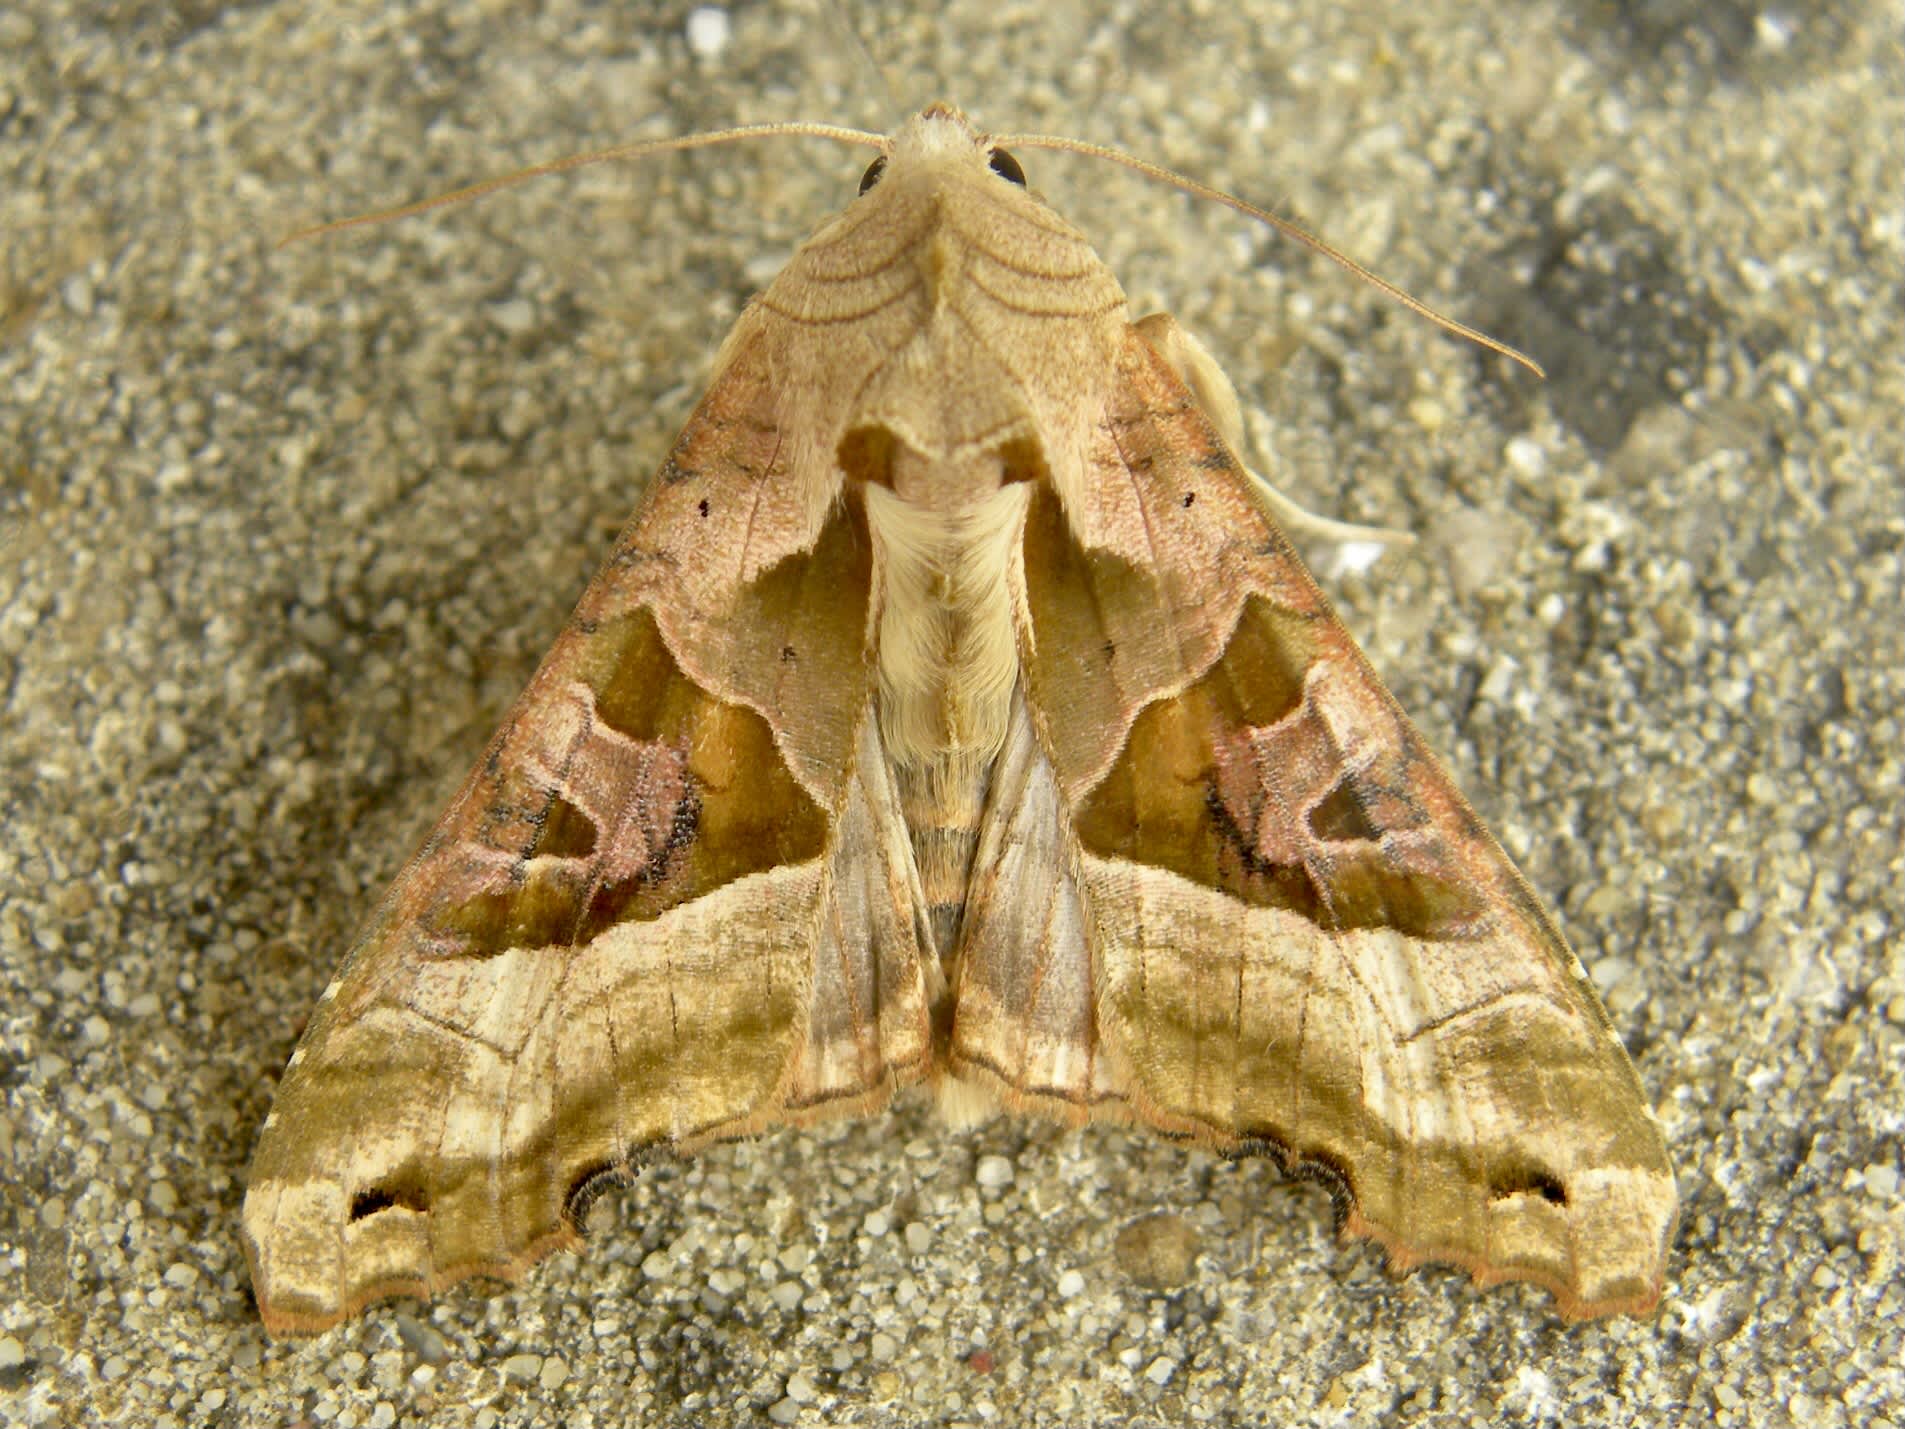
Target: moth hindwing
952,711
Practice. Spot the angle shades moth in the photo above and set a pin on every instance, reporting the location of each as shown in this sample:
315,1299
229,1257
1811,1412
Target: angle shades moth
953,710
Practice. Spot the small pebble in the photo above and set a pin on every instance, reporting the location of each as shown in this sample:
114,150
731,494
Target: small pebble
1158,1251
993,1172
1071,1285
514,316
800,1387
784,1411
708,31
1527,457
1160,1370
1499,683
423,1341
77,293
918,1238
523,1366
1881,1180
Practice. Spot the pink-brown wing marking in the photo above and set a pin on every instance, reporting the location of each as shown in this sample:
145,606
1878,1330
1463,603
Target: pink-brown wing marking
1303,938
659,911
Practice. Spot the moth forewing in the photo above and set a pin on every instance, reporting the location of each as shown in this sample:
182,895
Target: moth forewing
952,709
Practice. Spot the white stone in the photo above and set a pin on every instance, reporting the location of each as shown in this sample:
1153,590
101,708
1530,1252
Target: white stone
514,316
708,31
1071,1285
993,1172
1527,457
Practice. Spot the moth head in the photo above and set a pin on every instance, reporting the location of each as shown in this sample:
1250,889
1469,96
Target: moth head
941,135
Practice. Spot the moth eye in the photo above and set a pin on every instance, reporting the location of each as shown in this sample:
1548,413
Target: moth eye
1007,167
872,175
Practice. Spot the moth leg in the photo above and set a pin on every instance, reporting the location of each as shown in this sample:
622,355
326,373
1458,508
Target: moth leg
1353,537
1198,371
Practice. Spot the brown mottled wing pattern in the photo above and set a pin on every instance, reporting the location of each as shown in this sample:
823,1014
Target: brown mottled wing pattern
1300,937
669,906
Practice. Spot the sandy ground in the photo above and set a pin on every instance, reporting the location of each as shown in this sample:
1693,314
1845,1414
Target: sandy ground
281,533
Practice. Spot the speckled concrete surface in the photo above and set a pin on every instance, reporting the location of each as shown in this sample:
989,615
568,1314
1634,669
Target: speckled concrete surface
282,532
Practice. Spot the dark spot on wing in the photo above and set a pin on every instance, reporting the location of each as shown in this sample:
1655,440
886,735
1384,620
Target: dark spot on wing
387,1198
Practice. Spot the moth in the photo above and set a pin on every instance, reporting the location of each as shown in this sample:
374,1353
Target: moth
953,710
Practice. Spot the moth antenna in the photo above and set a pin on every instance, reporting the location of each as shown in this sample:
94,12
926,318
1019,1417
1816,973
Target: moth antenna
1281,225
638,149
863,52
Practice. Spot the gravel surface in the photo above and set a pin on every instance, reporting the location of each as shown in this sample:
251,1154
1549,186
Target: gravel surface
283,530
